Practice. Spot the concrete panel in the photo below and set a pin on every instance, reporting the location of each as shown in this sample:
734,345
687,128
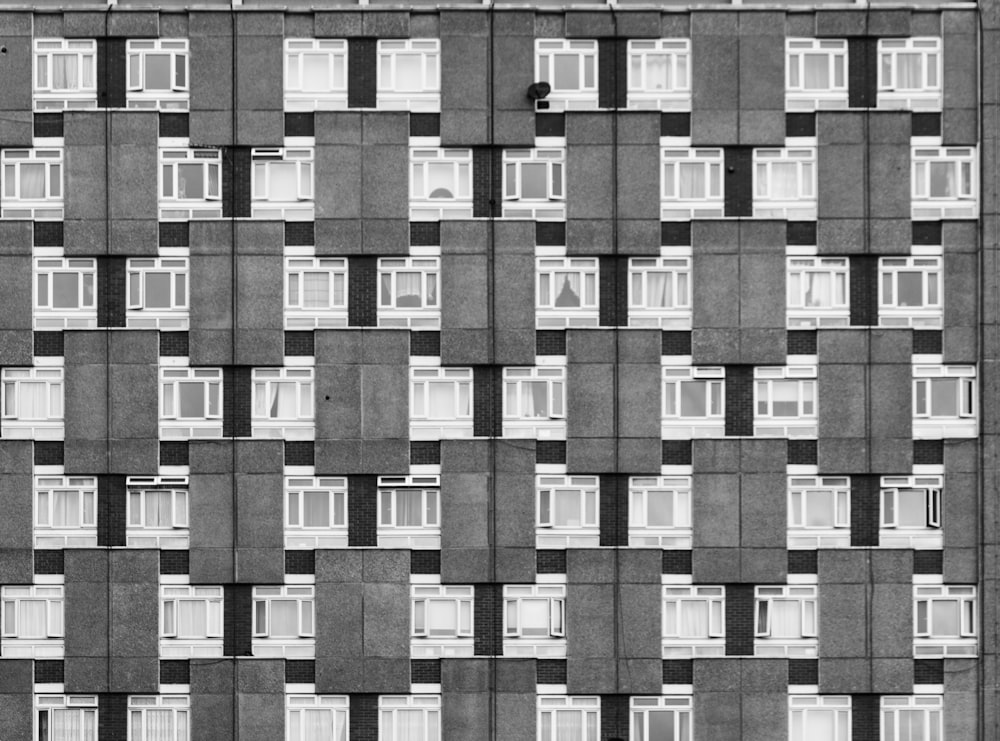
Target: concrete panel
590,400
211,524
212,699
261,715
384,402
589,181
86,413
843,617
715,291
16,500
259,84
212,83
717,717
762,65
764,715
892,620
639,180
515,520
516,715
715,67
844,389
385,187
639,400
845,676
762,290
891,401
386,626
16,709
889,180
589,622
641,608
715,502
763,507
841,190
464,292
86,604
134,406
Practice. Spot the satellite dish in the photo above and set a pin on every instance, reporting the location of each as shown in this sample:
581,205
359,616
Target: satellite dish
539,90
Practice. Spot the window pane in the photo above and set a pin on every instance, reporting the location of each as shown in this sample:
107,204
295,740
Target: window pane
819,509
282,181
944,618
157,72
534,180
910,286
693,399
785,395
192,398
409,73
316,509
659,509
157,291
567,72
944,397
284,619
316,73
65,290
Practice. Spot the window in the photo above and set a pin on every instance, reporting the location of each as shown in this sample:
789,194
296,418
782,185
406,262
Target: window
659,514
944,621
576,718
409,75
33,403
66,717
909,292
159,717
659,74
157,293
64,293
944,401
408,292
32,184
316,717
158,74
190,184
190,621
440,184
785,184
819,718
315,292
785,401
283,403
283,184
693,621
909,73
945,183
534,184
440,403
283,622
157,512
569,66
819,512
65,74
409,512
567,512
693,402
32,622
818,292
315,512
910,512
786,621
534,402
816,74
65,512
912,717
566,292
657,718
190,402
691,184
409,718
441,621
534,621
659,292
315,74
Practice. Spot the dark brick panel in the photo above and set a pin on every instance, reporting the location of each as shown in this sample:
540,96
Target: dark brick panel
49,671
675,124
300,453
111,68
237,620
425,452
863,281
676,562
482,182
487,403
803,671
607,292
300,562
676,453
111,299
802,562
361,81
550,561
47,233
928,452
550,342
175,562
862,73
865,714
300,124
174,453
865,494
800,124
300,672
425,124
550,124
362,291
425,671
236,184
614,717
175,233
175,671
362,510
175,125
738,181
928,671
800,233
48,125
425,233
111,501
425,344
363,718
174,344
739,620
237,401
675,342
487,619
425,562
925,124
613,509
300,233
550,451
928,562
112,714
926,232
48,344
739,400
802,452
550,671
801,342
49,562
550,233
678,671
48,453
927,342
300,344
607,79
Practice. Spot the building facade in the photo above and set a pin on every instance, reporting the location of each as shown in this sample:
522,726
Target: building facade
433,372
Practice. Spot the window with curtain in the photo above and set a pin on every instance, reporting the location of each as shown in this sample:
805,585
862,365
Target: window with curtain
567,283
191,612
659,502
441,611
283,612
944,173
32,393
409,507
534,611
658,284
32,175
568,718
567,501
786,398
943,392
692,393
441,174
315,74
534,393
157,508
909,64
316,717
157,66
912,717
692,174
65,502
817,290
315,502
659,74
666,718
408,282
66,717
815,74
910,291
159,717
284,394
32,612
65,67
786,612
819,502
408,66
945,611
409,717
693,613
911,502
819,718
568,65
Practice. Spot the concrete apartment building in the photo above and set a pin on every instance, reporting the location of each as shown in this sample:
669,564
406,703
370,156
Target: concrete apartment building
526,372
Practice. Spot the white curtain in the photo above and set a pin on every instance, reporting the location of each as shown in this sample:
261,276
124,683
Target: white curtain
316,505
786,619
817,72
192,616
282,402
819,509
567,508
692,180
408,290
440,180
191,181
442,400
783,180
659,290
409,73
65,74
31,621
567,286
158,509
659,509
693,619
408,505
944,618
33,397
316,724
821,726
159,725
409,726
32,180
284,619
819,289
74,725
65,509
908,75
316,73
282,181
534,399
657,72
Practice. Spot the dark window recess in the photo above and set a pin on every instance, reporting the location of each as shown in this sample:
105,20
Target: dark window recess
550,561
611,57
550,671
300,344
363,718
425,452
48,125
675,233
425,562
300,671
175,233
928,562
174,453
175,562
111,499
300,562
362,291
862,72
361,81
675,124
801,342
487,619
615,717
49,561
112,716
803,671
613,291
675,342
676,562
237,397
49,671
111,300
550,451
425,344
111,67
237,626
927,341
928,671
802,562
487,181
48,453
863,282
425,671
678,671
236,170
676,453
801,233
739,400
800,124
613,509
738,181
739,619
425,233
928,452
550,233
926,232
802,452
425,124
300,124
550,124
174,344
299,453
174,671
925,124
48,344
487,402
550,342
300,233
362,510
47,233
175,125
865,715
865,493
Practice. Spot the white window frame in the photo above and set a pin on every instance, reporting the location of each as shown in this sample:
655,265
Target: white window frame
173,317
47,317
582,97
798,206
298,316
299,96
426,535
426,642
708,205
835,492
677,315
300,646
426,98
81,95
299,207
548,532
802,707
801,377
669,537
675,425
642,92
930,314
140,535
547,641
931,707
50,205
892,534
424,204
299,707
301,423
177,98
173,206
548,271
178,707
713,642
299,535
551,206
206,643
83,705
927,96
49,536
426,316
17,642
517,421
48,426
927,644
679,707
429,424
961,162
587,707
805,307
962,424
834,94
806,644
175,427
391,706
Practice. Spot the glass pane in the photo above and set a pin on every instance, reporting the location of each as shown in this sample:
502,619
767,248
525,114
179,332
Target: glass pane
659,509
284,619
944,397
943,180
944,618
32,180
316,509
157,72
910,287
190,181
192,399
65,290
566,69
785,398
282,181
316,73
912,508
157,291
693,401
534,180
819,509
409,73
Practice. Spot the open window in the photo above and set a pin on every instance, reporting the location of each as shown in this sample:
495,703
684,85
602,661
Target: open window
567,514
315,74
944,621
945,401
282,184
65,295
694,622
534,622
66,717
910,512
534,184
190,184
190,621
786,621
819,512
158,74
31,181
157,293
65,74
